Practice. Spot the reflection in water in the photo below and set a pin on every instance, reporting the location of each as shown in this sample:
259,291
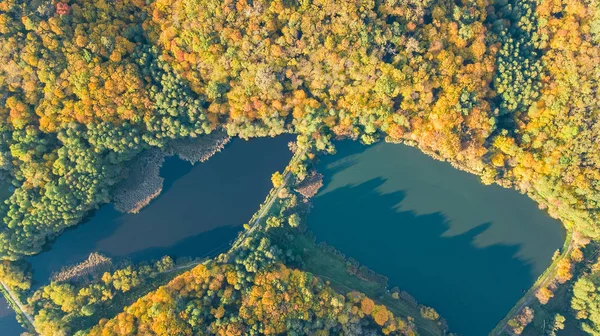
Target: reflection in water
464,248
199,212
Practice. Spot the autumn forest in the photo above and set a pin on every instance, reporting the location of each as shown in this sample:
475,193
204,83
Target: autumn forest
506,90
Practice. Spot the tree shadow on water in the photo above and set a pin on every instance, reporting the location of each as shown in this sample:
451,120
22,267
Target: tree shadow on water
206,244
473,288
173,169
346,155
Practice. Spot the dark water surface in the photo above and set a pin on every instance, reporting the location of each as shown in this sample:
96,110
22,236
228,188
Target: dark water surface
464,248
200,211
8,321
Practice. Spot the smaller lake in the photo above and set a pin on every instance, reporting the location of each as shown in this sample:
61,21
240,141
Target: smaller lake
200,211
466,249
8,320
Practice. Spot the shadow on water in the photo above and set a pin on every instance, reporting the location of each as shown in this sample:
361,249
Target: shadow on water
172,170
200,210
208,243
449,273
466,249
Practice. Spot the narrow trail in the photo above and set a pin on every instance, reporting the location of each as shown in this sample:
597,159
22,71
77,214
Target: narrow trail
526,299
190,265
16,300
267,206
262,212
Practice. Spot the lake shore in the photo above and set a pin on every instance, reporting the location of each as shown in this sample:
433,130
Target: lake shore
141,182
434,231
192,216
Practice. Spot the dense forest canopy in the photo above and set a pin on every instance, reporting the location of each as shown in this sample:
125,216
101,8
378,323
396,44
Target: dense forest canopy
275,301
506,90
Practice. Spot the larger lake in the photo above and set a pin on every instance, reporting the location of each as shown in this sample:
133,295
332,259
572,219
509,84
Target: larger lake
200,211
8,320
466,249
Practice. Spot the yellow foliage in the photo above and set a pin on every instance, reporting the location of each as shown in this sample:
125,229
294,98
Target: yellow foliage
367,305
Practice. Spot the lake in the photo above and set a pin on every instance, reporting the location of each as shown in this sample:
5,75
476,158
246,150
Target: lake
466,249
200,211
8,320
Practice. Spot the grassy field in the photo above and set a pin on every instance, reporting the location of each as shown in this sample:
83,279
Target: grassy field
544,314
542,281
561,302
333,268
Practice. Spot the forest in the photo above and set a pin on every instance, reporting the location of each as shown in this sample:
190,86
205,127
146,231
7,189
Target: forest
248,290
505,90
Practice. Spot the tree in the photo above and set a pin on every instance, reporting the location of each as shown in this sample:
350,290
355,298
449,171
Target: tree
558,323
429,313
15,275
564,271
586,303
577,255
380,315
521,320
544,295
367,305
277,179
294,220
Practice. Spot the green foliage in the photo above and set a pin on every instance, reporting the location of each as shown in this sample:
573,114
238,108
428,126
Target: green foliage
429,313
86,87
507,90
294,220
62,308
586,303
558,323
15,275
519,60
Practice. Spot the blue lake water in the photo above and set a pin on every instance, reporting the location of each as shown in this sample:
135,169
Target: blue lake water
466,249
8,321
200,211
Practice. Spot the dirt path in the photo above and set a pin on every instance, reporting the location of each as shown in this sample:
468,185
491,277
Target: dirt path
190,265
526,299
265,208
263,212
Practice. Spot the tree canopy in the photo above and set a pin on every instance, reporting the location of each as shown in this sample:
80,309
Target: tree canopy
506,90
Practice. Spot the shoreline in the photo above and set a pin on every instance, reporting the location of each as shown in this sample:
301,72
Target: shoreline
141,181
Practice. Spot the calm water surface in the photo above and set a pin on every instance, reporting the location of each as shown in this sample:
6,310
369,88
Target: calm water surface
466,249
199,212
8,321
